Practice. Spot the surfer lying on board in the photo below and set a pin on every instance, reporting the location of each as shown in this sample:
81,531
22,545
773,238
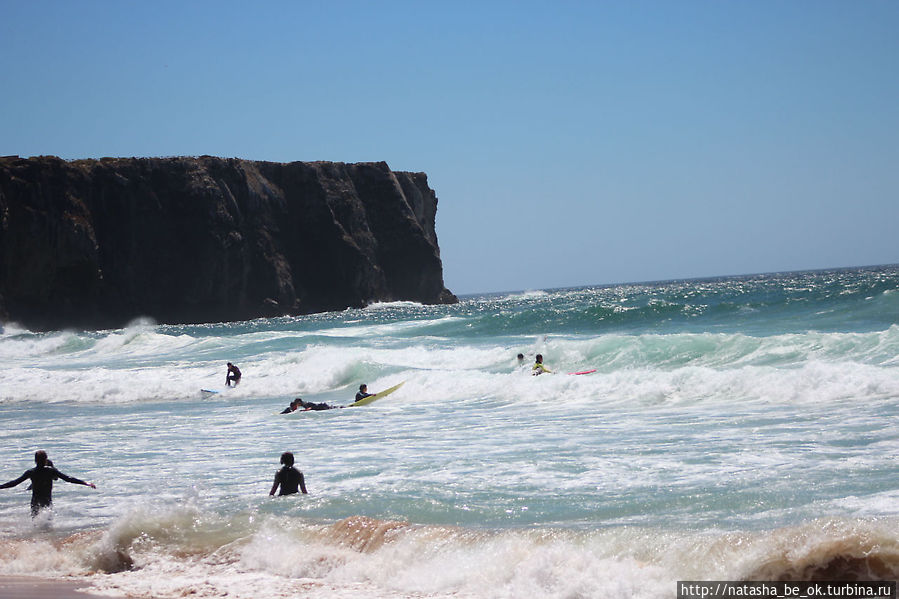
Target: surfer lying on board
363,392
42,477
288,478
305,406
308,405
233,375
538,367
292,407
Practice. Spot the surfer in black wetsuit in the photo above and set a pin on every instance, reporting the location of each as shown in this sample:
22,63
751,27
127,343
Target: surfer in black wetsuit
288,478
305,406
233,375
42,477
308,405
291,408
363,392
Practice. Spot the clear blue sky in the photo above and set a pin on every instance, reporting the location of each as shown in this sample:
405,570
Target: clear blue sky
569,143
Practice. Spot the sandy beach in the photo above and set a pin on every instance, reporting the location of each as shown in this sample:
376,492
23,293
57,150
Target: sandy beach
27,587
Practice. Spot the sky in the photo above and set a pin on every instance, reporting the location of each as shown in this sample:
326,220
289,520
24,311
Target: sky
569,143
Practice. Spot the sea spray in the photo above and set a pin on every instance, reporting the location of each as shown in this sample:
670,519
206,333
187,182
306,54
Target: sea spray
389,557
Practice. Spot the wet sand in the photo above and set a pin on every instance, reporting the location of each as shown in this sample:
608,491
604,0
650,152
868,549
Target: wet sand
26,587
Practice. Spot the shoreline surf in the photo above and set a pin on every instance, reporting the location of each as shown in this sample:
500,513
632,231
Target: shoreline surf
360,556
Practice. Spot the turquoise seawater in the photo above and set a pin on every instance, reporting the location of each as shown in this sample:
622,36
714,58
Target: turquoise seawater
734,428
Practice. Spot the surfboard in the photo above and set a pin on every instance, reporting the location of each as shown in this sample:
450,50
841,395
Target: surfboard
583,372
207,393
367,400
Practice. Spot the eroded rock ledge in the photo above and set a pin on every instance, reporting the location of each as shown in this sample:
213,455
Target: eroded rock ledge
97,243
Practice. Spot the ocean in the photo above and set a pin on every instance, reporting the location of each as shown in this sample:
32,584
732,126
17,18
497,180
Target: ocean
736,428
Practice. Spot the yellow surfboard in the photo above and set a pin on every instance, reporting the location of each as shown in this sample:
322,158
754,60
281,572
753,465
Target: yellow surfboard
367,400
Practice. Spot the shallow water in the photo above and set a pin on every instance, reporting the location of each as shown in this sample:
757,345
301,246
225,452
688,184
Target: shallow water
734,428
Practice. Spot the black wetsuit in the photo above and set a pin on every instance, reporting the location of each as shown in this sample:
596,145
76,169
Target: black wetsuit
362,395
317,406
42,478
233,376
290,479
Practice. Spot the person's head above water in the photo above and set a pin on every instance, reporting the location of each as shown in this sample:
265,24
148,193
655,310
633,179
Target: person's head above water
540,357
363,387
287,458
40,457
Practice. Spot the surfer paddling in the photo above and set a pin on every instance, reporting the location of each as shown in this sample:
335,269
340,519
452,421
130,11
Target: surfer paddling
309,405
42,477
539,367
305,406
288,477
294,405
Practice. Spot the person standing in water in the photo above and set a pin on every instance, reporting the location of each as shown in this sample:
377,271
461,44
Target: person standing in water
288,478
42,477
233,375
539,367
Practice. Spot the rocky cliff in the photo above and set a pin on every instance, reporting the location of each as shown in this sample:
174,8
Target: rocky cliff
96,243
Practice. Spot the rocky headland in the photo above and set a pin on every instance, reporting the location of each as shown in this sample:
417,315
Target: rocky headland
98,243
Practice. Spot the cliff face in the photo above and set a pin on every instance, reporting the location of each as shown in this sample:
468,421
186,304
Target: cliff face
96,243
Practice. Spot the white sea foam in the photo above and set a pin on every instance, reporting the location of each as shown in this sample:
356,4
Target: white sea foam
141,364
363,557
